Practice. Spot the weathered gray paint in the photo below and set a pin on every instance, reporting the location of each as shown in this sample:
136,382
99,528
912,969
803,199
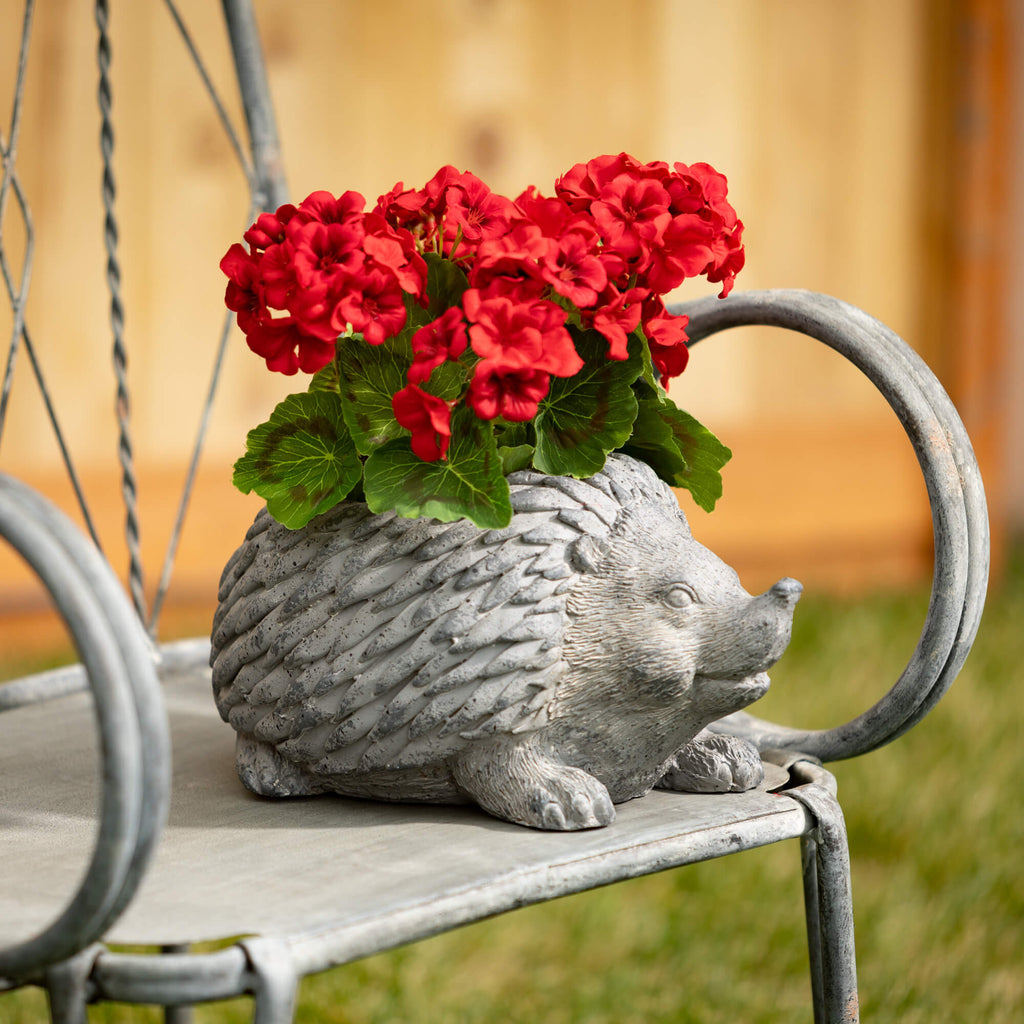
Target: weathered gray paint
118,662
544,671
955,492
213,821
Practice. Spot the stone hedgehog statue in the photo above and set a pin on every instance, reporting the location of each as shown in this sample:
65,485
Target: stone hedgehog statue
546,671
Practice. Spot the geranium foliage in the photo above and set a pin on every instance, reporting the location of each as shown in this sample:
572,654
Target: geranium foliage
454,335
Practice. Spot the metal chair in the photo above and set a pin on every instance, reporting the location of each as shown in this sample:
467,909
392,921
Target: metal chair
172,812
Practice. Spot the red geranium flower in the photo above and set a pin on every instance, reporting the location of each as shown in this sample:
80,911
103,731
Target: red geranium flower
440,340
686,251
281,341
429,419
510,264
549,214
286,347
325,209
269,227
670,361
616,315
277,275
582,184
728,259
632,215
476,210
435,189
408,208
314,310
322,251
700,189
503,388
372,303
574,270
535,332
667,338
471,211
396,252
244,290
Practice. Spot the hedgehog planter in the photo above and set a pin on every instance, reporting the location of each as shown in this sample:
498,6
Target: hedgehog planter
546,671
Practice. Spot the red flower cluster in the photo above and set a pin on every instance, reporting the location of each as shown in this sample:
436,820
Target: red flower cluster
600,253
657,227
315,271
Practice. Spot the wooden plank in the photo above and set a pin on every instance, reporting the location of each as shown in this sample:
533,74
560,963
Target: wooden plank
967,178
981,234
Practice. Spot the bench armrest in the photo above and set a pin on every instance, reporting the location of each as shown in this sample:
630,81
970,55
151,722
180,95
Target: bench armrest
955,493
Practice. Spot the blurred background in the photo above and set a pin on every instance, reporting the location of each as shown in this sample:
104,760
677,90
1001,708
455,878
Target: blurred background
873,151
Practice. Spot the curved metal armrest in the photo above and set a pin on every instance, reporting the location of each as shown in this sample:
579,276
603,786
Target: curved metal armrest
131,722
955,492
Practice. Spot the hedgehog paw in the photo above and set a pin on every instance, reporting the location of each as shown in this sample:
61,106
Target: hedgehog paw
265,772
534,791
565,804
714,763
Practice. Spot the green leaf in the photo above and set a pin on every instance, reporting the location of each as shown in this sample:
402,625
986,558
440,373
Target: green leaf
518,457
445,284
326,379
654,443
468,483
585,417
510,434
683,452
649,376
369,376
416,315
302,461
447,381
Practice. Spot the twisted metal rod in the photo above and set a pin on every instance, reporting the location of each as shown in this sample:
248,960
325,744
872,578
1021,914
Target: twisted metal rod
129,487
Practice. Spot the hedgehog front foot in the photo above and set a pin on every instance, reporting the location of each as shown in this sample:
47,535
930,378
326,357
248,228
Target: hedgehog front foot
264,772
517,784
714,763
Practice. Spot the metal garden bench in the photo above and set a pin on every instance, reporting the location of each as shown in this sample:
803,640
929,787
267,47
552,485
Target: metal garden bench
328,881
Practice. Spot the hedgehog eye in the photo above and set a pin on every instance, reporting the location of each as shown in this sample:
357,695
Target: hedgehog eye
680,596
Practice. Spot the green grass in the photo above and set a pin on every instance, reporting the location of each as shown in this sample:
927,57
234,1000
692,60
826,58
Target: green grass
935,828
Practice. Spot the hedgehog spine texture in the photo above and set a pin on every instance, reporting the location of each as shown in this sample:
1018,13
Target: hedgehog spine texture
364,642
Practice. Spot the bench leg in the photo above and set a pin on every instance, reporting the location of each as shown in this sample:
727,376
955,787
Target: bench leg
828,904
277,983
68,987
177,1014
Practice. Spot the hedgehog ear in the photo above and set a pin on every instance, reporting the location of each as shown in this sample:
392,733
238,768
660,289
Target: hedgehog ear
587,553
